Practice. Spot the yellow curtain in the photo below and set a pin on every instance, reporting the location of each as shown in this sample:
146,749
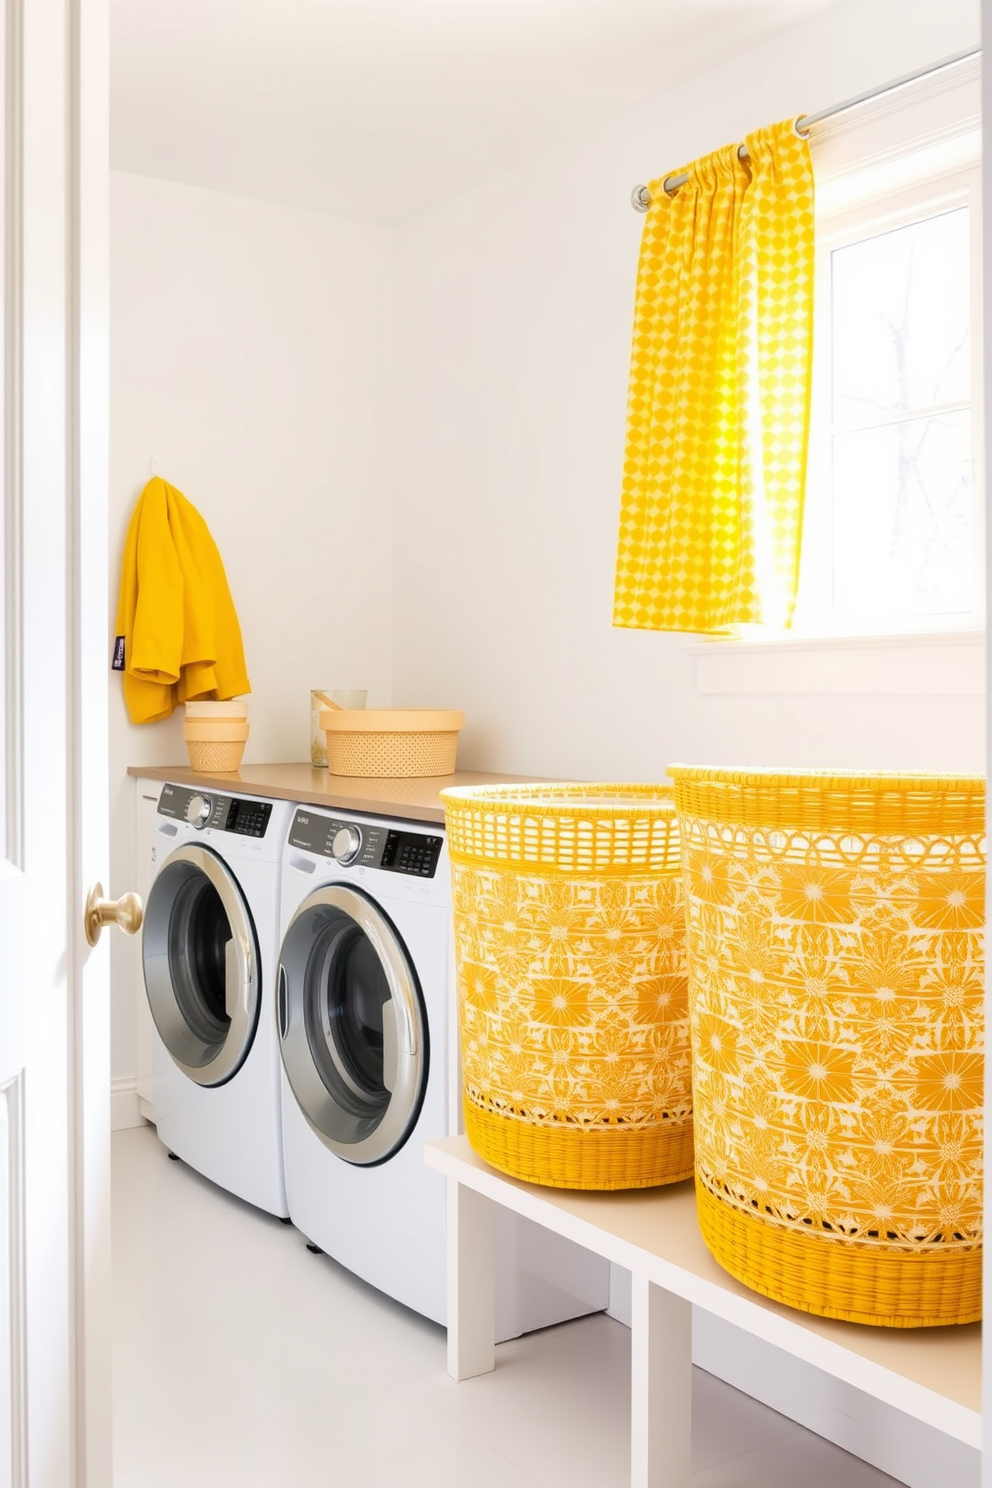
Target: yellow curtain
718,404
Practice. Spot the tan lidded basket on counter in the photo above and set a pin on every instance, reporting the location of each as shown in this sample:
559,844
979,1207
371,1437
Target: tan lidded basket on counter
569,938
834,926
391,741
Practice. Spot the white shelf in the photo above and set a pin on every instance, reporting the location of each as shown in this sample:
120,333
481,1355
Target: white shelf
933,1374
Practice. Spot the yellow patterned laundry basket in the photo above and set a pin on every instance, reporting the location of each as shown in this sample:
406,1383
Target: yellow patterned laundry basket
834,929
570,945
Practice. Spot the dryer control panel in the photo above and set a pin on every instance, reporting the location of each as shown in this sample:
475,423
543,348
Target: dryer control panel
379,846
244,816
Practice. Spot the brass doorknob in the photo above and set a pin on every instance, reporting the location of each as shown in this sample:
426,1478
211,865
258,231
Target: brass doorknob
125,912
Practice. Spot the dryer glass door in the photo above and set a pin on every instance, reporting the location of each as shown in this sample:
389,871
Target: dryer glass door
201,965
352,1028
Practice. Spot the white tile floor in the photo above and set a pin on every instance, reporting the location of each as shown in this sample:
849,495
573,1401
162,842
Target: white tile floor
243,1361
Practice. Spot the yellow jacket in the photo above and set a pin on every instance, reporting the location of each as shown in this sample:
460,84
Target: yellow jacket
175,613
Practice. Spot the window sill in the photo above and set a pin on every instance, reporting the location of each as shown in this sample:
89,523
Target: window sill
943,664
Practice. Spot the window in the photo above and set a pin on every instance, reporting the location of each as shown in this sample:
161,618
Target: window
893,532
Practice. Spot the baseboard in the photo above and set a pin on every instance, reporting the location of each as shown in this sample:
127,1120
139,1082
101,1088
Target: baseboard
125,1104
890,1440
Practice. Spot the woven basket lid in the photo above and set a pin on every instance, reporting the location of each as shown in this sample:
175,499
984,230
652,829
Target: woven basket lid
392,720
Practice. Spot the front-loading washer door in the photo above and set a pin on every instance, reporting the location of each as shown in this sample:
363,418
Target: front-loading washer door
352,1027
201,964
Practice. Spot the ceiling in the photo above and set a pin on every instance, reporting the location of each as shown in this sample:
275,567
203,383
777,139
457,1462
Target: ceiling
381,109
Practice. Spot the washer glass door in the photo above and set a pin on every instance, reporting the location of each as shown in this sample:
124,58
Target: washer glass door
201,965
352,1028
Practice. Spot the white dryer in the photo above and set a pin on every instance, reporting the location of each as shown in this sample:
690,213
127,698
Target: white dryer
368,1036
210,946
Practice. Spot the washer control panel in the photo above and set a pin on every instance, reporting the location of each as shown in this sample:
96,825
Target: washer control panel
243,816
367,844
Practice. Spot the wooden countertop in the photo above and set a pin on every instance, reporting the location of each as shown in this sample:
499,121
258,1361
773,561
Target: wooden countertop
413,799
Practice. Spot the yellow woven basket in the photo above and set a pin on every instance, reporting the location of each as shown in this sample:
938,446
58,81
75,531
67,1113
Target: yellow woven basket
834,932
569,936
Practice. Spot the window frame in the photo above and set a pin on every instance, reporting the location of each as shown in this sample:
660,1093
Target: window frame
932,194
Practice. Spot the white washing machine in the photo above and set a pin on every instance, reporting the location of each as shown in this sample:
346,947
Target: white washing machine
368,1036
210,946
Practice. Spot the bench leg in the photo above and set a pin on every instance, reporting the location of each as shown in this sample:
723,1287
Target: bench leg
471,1283
660,1387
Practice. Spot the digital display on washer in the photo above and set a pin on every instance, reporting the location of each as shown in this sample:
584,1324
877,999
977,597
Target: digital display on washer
411,852
416,853
247,818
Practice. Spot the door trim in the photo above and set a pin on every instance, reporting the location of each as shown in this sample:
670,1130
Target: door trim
11,433
13,1244
87,455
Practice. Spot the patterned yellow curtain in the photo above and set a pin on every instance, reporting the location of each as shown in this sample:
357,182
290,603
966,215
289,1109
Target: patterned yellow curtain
718,406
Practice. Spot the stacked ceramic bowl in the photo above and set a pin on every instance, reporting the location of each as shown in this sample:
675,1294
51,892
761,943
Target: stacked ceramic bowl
215,735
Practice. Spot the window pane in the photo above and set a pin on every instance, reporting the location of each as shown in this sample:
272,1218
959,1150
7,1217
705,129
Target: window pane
901,319
903,522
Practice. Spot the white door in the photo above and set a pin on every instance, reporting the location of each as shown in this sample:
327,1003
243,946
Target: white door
54,656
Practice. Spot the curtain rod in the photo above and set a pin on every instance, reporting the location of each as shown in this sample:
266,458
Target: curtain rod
640,197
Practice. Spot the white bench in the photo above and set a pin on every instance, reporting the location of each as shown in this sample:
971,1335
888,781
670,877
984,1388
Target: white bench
933,1374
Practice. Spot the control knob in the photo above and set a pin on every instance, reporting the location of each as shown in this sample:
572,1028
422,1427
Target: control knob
347,844
198,811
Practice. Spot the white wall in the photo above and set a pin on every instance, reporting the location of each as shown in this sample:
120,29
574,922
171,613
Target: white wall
250,356
514,313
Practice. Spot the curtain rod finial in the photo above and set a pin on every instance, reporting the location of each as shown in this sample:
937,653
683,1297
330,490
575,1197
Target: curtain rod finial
640,198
